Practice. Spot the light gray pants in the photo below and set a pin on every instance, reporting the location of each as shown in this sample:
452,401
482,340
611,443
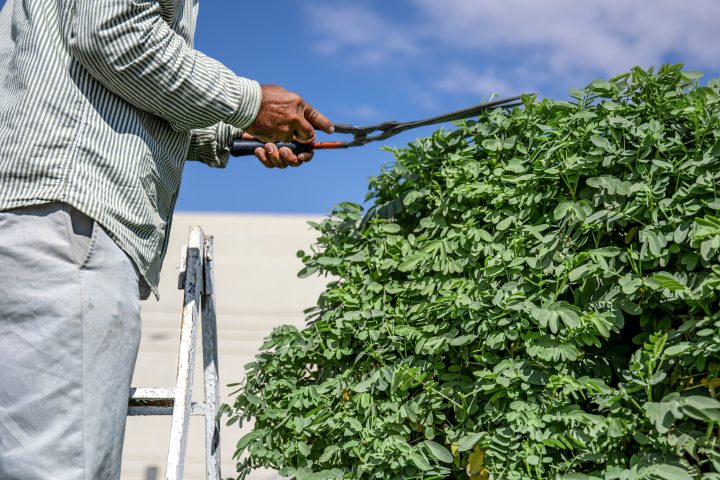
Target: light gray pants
69,335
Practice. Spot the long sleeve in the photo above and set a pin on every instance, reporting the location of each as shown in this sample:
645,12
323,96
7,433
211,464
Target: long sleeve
212,145
132,51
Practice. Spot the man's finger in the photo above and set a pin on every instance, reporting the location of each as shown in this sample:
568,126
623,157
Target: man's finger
273,155
289,157
305,157
261,155
305,132
318,120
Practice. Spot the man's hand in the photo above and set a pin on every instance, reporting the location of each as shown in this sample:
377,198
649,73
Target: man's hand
283,117
272,157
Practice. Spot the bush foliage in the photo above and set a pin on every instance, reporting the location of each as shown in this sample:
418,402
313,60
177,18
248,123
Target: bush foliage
533,295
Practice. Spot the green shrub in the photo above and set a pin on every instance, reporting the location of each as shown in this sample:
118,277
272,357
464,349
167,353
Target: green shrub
533,295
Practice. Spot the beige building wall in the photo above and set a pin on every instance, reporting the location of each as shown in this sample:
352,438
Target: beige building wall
257,289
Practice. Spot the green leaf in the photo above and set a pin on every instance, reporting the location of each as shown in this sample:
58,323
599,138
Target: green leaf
335,474
691,75
303,449
654,241
701,408
469,441
484,235
601,87
581,272
630,307
249,438
363,386
438,451
715,151
329,261
420,461
355,424
411,262
601,142
610,184
571,210
328,453
356,257
307,272
662,414
667,281
562,209
492,144
391,228
505,223
668,472
630,285
677,350
462,340
411,197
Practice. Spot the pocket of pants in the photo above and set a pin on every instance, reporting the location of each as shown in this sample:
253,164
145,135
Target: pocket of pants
82,233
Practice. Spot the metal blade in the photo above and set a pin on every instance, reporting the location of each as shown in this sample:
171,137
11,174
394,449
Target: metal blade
388,129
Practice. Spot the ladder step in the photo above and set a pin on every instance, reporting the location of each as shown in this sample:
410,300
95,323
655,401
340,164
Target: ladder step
197,409
151,401
144,396
157,401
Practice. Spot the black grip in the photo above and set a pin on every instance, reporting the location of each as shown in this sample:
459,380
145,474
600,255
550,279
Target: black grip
241,148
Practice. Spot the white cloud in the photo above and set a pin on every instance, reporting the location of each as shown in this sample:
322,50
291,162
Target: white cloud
535,41
458,78
605,36
360,34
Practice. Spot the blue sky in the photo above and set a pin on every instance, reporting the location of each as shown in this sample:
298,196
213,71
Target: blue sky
366,61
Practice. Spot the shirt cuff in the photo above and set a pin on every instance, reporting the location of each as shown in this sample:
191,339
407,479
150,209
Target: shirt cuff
250,95
225,135
212,145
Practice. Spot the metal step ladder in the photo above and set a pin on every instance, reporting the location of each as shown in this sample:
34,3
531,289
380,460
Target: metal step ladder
196,279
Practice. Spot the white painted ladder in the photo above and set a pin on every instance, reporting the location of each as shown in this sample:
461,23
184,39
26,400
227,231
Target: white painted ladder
196,279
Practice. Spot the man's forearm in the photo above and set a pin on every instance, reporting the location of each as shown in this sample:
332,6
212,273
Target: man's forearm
132,51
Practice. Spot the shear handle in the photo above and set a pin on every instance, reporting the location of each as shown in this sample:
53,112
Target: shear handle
240,147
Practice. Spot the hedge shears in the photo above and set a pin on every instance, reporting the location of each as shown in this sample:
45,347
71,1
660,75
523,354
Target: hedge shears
373,133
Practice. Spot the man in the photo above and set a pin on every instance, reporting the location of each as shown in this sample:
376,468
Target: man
101,102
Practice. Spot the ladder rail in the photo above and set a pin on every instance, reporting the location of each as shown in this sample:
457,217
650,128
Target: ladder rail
210,362
186,358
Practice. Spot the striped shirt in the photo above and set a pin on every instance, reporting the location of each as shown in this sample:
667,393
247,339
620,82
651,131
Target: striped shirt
101,103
